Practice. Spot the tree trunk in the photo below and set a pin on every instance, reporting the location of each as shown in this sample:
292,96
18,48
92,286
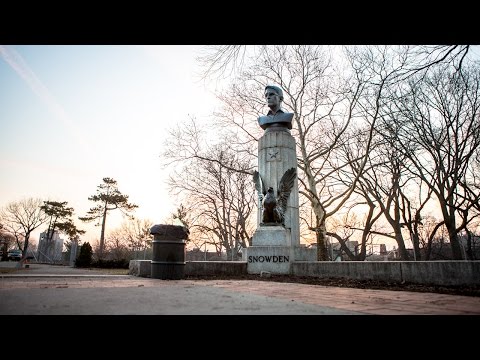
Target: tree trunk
470,254
455,244
402,250
416,247
24,251
321,235
452,235
102,234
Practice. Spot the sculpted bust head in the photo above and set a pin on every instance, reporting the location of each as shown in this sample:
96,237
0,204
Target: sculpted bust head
274,97
276,119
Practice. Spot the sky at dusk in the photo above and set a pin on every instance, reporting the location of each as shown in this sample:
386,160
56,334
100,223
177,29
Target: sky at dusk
71,115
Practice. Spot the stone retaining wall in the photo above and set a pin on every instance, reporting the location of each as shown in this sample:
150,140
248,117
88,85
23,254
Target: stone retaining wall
420,272
142,268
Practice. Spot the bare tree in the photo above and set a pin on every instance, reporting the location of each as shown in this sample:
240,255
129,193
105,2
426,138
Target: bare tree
326,108
412,213
20,219
427,232
116,246
213,184
326,104
344,228
469,211
133,234
424,58
396,197
6,242
224,60
471,186
440,132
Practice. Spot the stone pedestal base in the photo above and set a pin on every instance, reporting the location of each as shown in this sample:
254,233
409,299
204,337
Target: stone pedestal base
271,251
271,236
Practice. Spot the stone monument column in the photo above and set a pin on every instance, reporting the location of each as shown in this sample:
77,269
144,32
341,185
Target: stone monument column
277,154
278,230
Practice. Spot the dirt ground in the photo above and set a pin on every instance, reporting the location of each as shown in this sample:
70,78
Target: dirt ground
473,290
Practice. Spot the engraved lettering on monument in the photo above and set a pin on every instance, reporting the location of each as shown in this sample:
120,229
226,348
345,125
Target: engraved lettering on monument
268,258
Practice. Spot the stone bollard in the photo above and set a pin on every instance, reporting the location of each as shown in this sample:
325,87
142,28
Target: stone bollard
168,261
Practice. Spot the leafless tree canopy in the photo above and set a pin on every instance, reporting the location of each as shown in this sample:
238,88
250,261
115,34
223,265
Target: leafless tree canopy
21,218
130,240
383,134
213,184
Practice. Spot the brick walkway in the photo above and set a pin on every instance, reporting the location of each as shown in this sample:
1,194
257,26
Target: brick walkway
379,302
360,301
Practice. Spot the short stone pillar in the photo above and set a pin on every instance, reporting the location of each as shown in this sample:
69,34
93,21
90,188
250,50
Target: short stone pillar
168,261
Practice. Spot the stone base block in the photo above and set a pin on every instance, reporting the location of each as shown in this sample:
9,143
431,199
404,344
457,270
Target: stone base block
140,268
273,259
271,236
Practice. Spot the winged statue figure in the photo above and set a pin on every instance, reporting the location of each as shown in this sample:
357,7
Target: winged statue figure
274,207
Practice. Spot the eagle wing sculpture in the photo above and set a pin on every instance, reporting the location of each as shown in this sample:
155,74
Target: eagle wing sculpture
259,186
274,207
283,192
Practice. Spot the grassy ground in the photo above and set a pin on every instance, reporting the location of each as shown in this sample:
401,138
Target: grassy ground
111,271
7,270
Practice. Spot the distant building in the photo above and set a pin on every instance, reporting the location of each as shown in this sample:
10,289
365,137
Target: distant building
50,251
